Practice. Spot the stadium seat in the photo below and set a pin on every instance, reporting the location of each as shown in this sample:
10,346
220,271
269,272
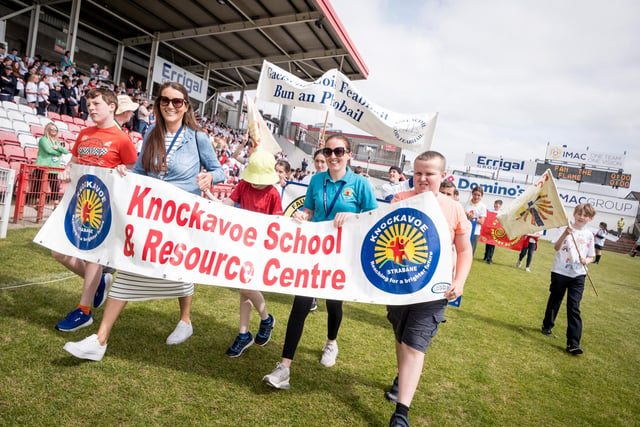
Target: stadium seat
9,137
68,136
26,109
61,125
14,153
15,115
21,127
31,153
36,128
5,124
72,127
27,140
3,112
53,115
32,119
44,120
66,119
80,122
8,105
4,164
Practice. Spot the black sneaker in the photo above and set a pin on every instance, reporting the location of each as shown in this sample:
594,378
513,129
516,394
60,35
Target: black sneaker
398,420
545,331
574,349
264,333
392,394
314,305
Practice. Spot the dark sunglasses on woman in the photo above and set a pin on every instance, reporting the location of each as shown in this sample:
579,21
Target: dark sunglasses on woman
338,151
177,102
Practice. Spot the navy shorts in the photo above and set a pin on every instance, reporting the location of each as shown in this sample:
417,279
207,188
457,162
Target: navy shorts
416,324
598,247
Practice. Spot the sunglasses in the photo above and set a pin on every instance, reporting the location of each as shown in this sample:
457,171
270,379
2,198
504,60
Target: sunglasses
338,151
177,102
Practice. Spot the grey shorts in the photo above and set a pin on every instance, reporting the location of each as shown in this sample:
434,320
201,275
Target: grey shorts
416,324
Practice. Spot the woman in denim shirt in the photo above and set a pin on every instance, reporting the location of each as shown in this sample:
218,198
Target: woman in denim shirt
174,150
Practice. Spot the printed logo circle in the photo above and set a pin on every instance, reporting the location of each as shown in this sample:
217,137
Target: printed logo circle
88,217
293,207
401,251
409,131
555,153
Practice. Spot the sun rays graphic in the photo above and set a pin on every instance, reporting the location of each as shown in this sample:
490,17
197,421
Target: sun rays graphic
89,209
401,244
536,211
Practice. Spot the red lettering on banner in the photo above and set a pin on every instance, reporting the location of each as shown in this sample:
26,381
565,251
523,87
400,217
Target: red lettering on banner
154,238
180,219
137,201
329,244
319,279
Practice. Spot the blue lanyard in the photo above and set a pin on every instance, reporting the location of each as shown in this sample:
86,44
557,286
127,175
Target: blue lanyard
335,197
175,137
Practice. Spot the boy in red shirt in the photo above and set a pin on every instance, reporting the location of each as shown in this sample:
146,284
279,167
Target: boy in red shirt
103,145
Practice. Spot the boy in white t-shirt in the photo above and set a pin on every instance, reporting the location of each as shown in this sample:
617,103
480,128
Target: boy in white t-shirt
574,250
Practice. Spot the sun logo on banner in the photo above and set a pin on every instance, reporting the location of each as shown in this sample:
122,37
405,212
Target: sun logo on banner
88,218
536,211
401,244
499,235
400,252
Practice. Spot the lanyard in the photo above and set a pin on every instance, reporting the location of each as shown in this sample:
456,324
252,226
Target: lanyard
174,140
335,197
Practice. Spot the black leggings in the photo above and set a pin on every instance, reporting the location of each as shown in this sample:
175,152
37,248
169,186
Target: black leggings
299,313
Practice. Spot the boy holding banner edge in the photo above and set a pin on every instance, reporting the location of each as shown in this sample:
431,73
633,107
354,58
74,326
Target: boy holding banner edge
415,325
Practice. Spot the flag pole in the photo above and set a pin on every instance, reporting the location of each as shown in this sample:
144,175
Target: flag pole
324,128
585,267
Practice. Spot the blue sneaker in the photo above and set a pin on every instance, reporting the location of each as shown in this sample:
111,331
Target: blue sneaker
240,345
74,321
101,293
264,333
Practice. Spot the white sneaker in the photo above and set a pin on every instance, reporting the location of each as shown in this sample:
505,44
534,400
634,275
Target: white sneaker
527,270
180,334
89,348
329,354
279,378
519,264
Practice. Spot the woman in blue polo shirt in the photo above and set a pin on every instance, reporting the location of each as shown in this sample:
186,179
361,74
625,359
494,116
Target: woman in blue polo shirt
332,195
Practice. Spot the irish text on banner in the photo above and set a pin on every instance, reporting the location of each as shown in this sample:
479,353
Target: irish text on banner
492,233
397,254
333,91
538,208
259,132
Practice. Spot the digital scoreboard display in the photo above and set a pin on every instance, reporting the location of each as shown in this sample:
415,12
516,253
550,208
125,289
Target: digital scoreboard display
572,173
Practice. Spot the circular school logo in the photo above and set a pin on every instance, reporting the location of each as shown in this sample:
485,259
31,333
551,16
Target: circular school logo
555,153
401,251
409,131
293,206
88,217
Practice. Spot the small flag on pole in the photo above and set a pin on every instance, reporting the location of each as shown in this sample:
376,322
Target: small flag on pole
538,208
259,132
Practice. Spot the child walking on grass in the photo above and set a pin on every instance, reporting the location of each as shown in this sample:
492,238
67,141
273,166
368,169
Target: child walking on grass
256,193
574,250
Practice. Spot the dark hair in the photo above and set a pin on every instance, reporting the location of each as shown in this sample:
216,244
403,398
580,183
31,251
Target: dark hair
154,154
478,189
315,154
285,164
395,168
108,96
346,141
445,183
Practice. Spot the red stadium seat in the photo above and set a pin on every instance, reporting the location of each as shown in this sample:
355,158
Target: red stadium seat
74,128
79,121
9,138
4,164
36,129
14,153
31,153
53,116
66,119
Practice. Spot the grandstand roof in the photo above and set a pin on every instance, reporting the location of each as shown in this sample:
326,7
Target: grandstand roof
231,36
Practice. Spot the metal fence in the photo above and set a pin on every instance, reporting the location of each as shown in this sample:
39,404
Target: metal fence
37,194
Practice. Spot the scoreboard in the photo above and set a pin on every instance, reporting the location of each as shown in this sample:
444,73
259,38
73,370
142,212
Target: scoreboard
593,176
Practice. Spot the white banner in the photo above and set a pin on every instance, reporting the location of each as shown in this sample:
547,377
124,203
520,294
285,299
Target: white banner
335,92
397,254
569,198
525,167
586,157
165,71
